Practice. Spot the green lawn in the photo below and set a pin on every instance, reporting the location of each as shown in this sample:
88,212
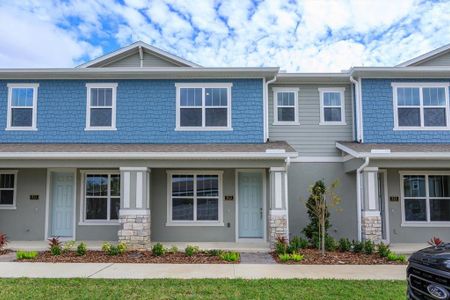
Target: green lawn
199,289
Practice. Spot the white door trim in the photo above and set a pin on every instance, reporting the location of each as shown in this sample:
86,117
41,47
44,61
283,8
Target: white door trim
47,199
264,194
386,205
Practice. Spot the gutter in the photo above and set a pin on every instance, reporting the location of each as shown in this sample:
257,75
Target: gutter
358,196
266,107
358,109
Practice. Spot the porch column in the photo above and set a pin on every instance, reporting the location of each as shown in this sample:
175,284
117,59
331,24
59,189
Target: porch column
278,211
370,217
134,215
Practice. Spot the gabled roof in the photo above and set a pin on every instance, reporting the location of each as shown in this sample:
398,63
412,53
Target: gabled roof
426,57
138,47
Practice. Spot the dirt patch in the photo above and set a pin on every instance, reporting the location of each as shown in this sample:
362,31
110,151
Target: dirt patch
314,257
129,257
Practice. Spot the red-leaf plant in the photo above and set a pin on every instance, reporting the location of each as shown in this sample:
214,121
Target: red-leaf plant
3,240
54,242
435,241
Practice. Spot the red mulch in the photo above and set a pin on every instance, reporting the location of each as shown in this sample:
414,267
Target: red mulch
314,257
129,257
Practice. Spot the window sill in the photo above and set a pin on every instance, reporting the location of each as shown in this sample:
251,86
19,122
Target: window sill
8,207
21,129
286,123
203,129
420,128
100,129
333,123
425,224
98,223
187,224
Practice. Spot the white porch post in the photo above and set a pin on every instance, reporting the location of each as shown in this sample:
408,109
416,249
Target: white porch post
370,217
278,211
134,215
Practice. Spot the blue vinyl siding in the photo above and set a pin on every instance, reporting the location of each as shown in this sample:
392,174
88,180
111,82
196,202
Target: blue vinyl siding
378,115
146,113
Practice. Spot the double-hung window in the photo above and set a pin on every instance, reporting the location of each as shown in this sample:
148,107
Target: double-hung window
8,184
426,198
203,106
22,106
421,106
101,106
332,106
101,197
285,106
194,198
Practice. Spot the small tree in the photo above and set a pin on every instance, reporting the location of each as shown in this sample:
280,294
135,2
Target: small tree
317,204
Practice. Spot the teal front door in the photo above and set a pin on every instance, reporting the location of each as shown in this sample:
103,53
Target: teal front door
62,204
250,204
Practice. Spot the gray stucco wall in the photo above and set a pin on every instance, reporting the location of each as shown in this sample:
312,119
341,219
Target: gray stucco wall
301,176
27,222
309,138
399,234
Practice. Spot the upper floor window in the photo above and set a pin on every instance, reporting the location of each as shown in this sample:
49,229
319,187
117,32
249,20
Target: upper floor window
421,106
22,106
101,106
285,106
332,106
203,106
8,189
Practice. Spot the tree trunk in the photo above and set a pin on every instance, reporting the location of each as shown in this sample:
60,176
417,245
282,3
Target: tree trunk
322,223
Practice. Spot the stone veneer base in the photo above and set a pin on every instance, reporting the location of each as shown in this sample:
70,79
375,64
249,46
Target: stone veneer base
278,227
135,231
371,228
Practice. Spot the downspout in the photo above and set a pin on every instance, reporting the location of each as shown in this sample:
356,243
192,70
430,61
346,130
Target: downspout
358,195
266,107
357,109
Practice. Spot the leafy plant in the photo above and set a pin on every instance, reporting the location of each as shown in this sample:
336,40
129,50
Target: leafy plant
296,257
158,249
122,247
369,247
383,250
173,249
284,257
55,246
106,247
357,247
395,257
281,245
26,254
191,250
82,249
230,256
215,252
297,243
344,245
435,241
330,243
68,246
3,240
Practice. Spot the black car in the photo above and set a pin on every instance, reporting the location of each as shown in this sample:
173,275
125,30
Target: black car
428,273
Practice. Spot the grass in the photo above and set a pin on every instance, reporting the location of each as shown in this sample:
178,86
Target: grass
199,289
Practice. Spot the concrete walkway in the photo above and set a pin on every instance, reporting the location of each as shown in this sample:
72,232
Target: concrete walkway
186,271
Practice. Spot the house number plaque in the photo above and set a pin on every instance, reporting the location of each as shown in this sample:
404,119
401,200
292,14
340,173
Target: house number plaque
34,197
229,198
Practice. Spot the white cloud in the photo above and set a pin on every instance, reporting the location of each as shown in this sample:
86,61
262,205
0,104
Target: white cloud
319,35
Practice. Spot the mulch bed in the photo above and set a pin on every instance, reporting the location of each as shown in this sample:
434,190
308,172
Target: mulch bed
314,257
128,257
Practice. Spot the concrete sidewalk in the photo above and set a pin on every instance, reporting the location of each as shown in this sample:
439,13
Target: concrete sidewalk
189,271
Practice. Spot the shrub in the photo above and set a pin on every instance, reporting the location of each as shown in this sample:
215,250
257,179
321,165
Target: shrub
281,246
191,250
122,247
296,257
230,256
68,246
435,241
3,240
284,257
395,257
357,247
106,247
55,246
318,191
383,250
369,247
158,249
173,249
215,252
330,243
344,245
82,249
26,254
297,243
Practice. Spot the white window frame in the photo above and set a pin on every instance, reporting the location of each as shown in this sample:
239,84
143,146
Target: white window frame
277,90
341,91
420,86
12,86
171,222
427,223
83,212
203,86
112,86
14,189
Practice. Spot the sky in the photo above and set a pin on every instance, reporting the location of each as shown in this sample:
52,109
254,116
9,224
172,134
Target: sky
297,36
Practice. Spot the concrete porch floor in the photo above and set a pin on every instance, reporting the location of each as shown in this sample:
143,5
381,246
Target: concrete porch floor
97,245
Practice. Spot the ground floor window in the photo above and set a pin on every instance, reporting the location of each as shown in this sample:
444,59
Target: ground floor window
194,197
426,197
7,189
102,196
